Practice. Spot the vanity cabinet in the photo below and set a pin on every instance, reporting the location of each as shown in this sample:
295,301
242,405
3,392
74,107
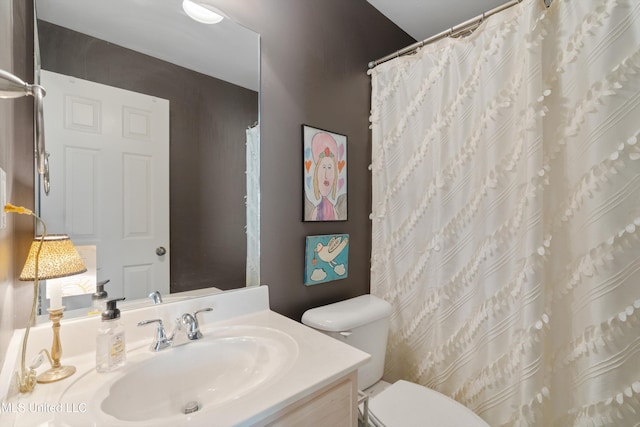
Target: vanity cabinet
335,405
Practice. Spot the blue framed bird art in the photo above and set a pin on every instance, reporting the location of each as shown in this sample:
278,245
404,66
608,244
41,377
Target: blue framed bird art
326,258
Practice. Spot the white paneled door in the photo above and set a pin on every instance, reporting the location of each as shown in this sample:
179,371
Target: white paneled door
109,163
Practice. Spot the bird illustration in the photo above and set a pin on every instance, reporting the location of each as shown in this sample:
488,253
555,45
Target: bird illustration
333,248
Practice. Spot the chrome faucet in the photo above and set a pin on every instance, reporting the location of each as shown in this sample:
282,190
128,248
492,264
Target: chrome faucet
191,322
161,340
156,297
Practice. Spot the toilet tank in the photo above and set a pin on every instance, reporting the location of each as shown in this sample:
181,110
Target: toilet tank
362,322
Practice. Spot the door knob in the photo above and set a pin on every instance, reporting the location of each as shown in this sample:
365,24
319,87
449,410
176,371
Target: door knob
160,250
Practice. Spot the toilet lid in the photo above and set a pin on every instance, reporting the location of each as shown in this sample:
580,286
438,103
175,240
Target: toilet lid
406,404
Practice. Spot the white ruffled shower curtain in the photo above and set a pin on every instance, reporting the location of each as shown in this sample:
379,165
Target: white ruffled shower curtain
253,205
506,214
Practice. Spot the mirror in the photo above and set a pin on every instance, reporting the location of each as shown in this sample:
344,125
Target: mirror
205,81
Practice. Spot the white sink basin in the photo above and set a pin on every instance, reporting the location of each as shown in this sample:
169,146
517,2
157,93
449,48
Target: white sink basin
157,388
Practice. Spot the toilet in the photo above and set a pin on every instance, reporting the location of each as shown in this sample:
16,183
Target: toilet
363,322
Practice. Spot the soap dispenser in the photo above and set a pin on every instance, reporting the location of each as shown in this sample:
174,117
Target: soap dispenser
110,341
99,298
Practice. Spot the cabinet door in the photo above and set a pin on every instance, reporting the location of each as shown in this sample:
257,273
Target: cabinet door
332,406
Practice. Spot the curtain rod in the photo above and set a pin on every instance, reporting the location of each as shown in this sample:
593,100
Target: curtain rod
460,30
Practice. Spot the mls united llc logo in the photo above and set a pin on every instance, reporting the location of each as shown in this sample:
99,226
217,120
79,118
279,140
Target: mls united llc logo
22,407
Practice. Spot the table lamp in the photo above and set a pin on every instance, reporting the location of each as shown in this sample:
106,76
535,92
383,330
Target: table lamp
50,256
56,257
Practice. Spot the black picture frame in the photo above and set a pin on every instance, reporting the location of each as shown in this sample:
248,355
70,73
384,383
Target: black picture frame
324,175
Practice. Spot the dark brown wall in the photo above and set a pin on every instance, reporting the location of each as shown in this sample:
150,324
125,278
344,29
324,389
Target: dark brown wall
16,159
313,71
207,156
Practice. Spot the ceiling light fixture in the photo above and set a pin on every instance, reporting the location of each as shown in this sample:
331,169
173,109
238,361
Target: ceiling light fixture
201,13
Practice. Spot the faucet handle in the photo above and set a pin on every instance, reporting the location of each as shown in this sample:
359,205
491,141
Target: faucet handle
160,341
201,310
191,320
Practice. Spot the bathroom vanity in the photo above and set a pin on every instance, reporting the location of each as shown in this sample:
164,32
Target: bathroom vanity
252,367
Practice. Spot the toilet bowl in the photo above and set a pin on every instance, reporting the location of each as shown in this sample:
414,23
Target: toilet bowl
363,322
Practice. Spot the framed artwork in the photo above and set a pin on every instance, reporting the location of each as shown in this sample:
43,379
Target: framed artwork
326,258
325,175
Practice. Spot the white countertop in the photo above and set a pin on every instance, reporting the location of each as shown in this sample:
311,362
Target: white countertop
321,360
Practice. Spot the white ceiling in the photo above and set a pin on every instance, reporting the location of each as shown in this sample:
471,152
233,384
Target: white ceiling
161,29
422,19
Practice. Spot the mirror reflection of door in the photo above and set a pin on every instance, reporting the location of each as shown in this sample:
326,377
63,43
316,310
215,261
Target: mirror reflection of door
109,157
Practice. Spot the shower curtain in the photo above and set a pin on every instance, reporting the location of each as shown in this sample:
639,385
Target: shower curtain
506,214
253,205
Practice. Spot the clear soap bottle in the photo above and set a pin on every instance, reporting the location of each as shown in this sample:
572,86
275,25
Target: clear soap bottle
99,298
110,340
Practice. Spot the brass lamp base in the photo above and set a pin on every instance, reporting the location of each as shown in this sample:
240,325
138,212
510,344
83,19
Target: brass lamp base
57,371
56,374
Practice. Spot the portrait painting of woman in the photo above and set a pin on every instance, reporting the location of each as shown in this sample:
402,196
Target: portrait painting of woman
325,175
